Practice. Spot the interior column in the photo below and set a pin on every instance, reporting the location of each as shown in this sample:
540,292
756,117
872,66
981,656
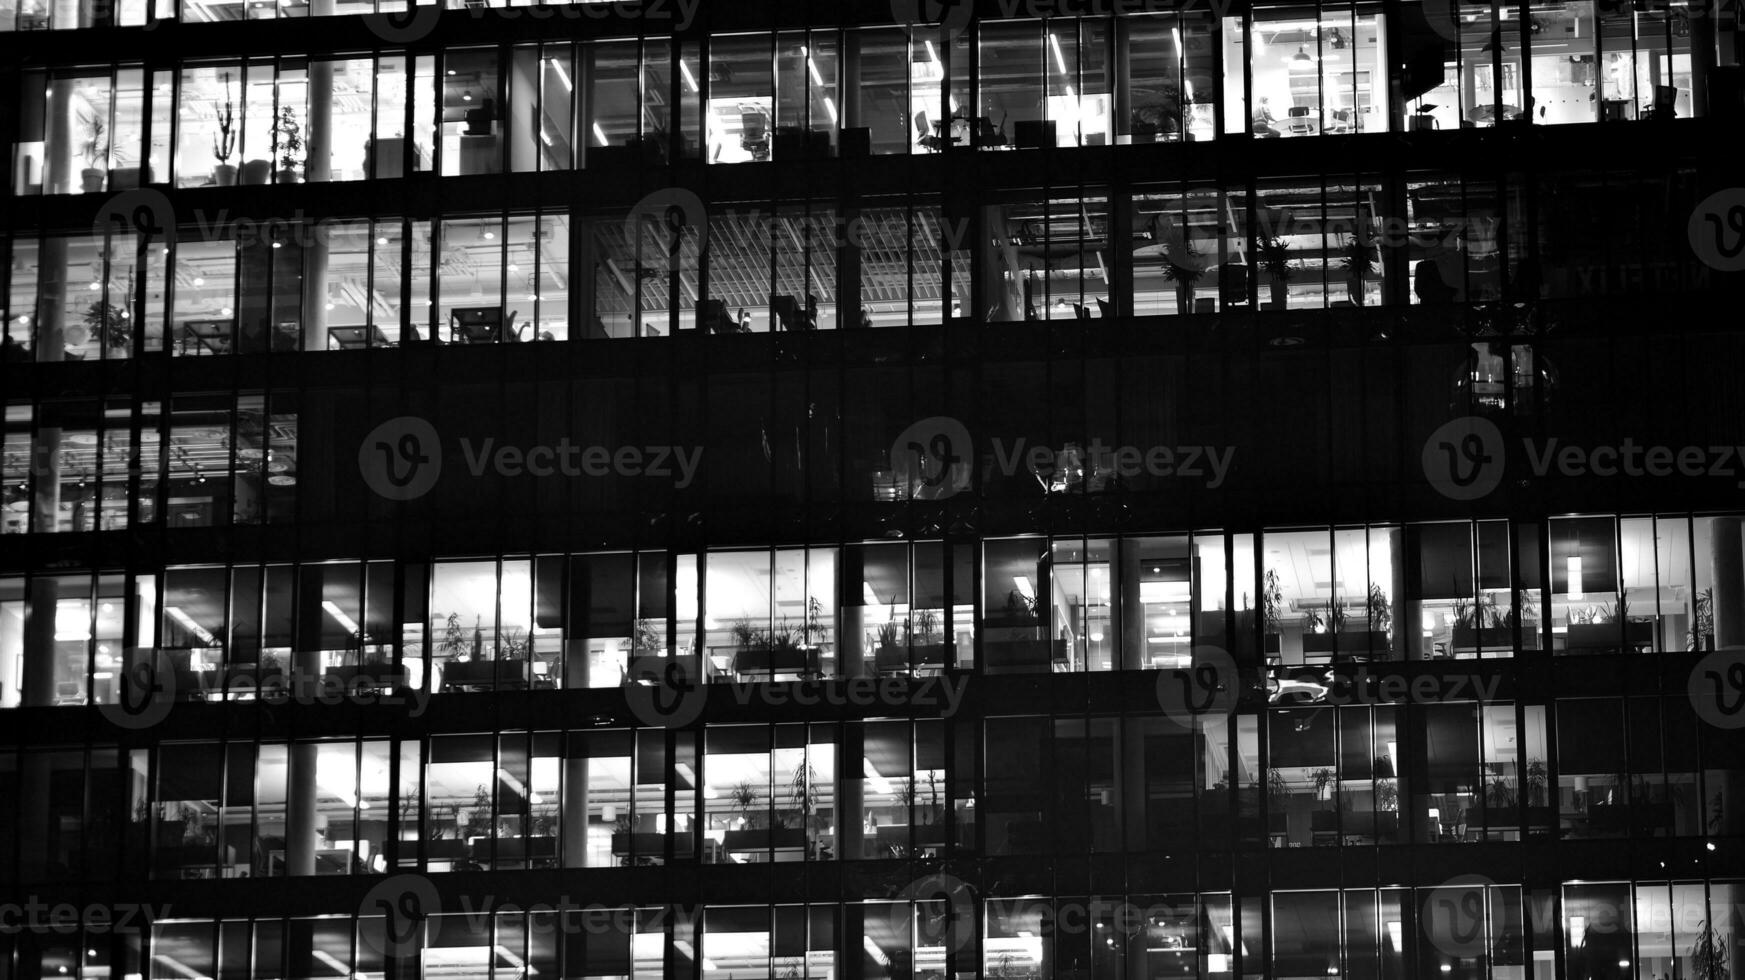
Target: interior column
575,809
317,168
851,629
850,793
38,685
300,813
1727,577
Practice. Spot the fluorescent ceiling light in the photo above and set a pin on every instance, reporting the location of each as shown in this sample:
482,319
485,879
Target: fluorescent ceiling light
339,616
690,79
1059,59
1575,591
562,75
1158,592
187,623
879,783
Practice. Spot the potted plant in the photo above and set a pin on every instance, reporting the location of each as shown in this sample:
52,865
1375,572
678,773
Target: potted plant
1360,259
1477,624
94,149
927,636
1527,618
888,652
110,328
1701,635
1708,954
1020,645
1602,629
1272,599
288,144
1183,267
224,141
478,822
1324,779
1278,797
1275,258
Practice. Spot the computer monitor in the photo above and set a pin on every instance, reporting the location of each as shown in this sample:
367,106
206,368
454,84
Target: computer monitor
476,324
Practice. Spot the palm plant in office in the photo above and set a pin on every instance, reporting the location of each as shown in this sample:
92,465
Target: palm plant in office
1275,258
1701,635
1708,954
1272,600
94,149
1278,796
1360,258
1183,267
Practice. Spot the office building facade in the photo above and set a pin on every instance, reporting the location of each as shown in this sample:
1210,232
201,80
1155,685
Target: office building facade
668,489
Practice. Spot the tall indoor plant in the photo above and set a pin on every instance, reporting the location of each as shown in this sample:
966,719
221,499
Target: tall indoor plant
224,140
1275,258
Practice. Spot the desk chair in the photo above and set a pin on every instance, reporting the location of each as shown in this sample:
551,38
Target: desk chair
1343,121
754,135
1298,122
925,136
712,317
987,135
787,311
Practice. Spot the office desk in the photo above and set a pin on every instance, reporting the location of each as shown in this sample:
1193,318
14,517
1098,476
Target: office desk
207,336
351,338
